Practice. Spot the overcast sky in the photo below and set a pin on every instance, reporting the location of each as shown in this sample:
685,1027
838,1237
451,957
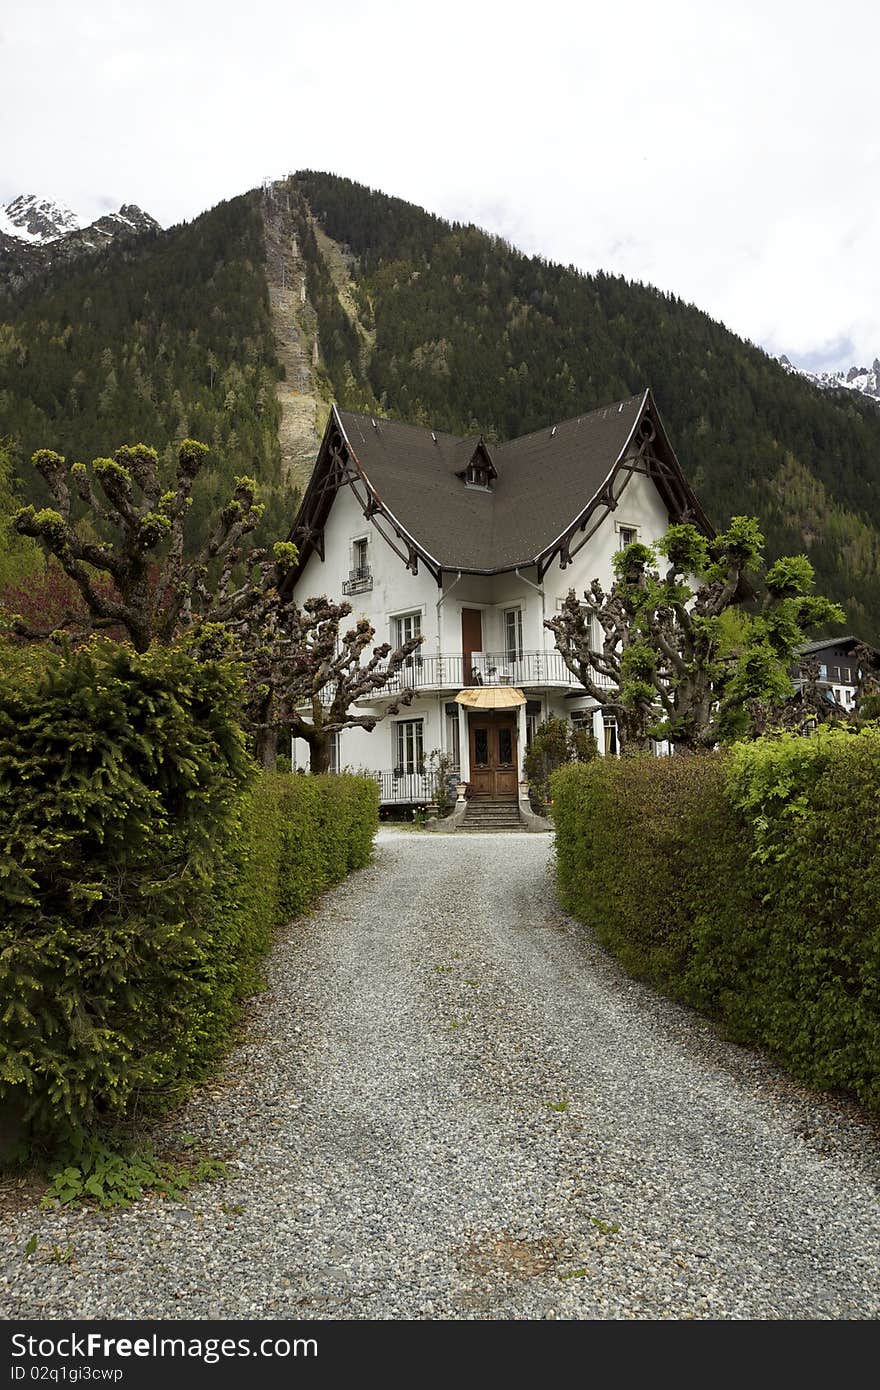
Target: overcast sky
728,153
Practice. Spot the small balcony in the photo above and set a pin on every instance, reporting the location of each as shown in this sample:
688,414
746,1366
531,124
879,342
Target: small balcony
405,788
535,670
358,581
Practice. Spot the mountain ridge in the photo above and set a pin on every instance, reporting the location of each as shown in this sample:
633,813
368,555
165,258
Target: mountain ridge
241,326
865,380
37,234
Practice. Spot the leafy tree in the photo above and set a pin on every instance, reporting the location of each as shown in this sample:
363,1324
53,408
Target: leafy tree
812,703
555,743
305,675
867,702
664,664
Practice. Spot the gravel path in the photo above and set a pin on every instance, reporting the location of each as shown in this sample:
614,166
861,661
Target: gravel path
452,1104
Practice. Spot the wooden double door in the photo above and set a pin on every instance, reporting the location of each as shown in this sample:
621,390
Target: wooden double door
493,754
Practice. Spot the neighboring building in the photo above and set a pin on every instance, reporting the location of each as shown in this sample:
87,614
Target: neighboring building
472,545
839,668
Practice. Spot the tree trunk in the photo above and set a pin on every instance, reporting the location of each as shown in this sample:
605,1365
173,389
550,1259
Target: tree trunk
319,753
266,749
266,741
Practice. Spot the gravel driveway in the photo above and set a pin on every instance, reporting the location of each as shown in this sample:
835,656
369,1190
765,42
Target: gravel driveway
451,1104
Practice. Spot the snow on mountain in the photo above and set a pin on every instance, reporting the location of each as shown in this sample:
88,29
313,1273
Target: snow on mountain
863,379
37,234
34,219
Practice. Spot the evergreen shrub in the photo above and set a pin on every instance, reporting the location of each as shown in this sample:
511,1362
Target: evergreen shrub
745,884
143,866
329,823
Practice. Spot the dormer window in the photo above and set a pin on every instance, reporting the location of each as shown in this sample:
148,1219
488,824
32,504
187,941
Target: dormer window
473,463
476,475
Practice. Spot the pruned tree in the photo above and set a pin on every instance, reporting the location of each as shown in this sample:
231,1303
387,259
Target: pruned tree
229,596
664,665
141,578
812,703
306,676
867,701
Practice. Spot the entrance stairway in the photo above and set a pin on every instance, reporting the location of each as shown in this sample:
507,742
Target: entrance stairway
484,815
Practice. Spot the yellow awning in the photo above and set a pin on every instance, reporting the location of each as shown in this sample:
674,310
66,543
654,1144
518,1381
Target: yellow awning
490,697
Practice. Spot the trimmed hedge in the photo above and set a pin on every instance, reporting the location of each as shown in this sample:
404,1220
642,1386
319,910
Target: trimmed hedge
143,866
745,884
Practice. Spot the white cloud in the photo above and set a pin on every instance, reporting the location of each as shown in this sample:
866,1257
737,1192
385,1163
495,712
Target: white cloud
729,157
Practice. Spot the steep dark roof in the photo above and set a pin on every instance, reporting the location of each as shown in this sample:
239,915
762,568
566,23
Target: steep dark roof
848,642
544,483
543,480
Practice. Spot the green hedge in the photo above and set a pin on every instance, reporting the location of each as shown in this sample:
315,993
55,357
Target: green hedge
745,884
143,866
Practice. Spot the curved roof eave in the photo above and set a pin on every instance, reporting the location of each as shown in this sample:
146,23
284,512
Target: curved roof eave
585,511
430,560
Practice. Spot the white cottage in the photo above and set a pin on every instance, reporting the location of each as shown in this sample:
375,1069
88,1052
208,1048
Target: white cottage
473,544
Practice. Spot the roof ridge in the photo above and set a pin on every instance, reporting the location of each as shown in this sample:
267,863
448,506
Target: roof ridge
405,424
480,435
585,415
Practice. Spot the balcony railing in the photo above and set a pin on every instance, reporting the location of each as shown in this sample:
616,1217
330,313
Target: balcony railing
358,581
406,788
833,675
455,672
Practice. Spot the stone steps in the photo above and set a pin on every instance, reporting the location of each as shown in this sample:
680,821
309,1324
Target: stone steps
483,816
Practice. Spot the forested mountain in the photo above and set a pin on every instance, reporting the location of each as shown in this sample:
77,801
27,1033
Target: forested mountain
471,334
384,306
150,341
38,234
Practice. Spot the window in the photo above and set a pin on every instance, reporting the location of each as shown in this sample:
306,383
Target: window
533,719
335,762
481,747
359,576
505,746
407,626
609,726
513,643
403,629
453,747
627,535
475,476
409,748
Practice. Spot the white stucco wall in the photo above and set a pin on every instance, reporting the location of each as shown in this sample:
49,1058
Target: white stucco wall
395,590
640,507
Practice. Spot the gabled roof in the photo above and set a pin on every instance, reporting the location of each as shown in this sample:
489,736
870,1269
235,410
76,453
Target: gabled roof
847,642
545,485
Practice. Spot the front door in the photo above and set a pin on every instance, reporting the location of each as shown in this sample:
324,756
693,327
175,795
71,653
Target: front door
471,639
493,755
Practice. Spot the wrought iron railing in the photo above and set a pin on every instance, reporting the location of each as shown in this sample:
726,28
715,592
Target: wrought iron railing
406,787
456,672
358,581
833,675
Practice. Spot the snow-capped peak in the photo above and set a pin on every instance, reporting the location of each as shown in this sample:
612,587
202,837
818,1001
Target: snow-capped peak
37,220
865,380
